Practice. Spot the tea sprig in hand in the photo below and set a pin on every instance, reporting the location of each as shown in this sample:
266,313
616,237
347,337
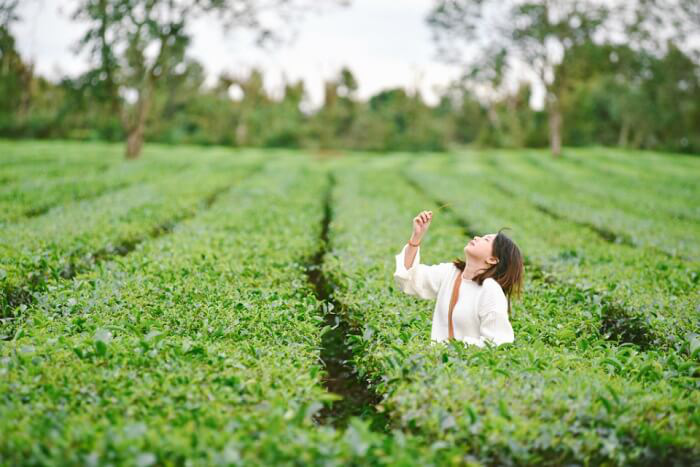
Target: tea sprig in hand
443,206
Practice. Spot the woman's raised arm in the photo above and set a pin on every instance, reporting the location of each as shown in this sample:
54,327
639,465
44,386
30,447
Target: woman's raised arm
412,277
420,226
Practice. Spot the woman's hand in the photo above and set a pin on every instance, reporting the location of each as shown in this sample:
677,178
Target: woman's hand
420,225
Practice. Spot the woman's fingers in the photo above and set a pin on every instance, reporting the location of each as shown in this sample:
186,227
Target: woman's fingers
423,217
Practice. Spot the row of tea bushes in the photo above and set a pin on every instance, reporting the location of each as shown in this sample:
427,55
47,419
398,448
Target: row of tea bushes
651,298
673,175
72,237
639,190
587,402
36,176
200,347
550,312
35,195
619,216
43,157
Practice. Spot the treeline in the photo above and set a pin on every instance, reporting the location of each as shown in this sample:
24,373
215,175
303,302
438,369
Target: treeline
605,94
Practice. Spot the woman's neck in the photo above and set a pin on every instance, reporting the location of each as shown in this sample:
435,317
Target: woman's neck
472,268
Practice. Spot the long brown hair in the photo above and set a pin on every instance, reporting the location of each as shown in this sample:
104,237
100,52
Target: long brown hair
508,271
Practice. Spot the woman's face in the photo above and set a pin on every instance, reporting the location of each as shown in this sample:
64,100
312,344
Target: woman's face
481,248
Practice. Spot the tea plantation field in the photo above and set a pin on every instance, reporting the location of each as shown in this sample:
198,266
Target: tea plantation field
211,306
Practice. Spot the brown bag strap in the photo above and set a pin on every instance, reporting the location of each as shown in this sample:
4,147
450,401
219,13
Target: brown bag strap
453,301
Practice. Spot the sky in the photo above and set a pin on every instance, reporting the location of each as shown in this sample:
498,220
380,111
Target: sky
386,43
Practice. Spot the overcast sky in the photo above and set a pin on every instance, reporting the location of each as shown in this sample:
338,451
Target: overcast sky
385,43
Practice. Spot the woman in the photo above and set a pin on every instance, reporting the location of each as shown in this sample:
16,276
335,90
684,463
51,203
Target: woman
477,290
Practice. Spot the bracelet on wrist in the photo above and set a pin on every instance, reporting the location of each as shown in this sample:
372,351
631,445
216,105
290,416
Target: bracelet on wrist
409,242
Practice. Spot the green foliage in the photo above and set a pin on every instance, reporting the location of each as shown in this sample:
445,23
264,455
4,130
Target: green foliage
167,315
177,351
614,96
610,95
561,393
70,237
603,90
200,346
13,72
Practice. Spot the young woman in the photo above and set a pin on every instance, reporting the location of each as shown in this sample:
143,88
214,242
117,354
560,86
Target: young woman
473,295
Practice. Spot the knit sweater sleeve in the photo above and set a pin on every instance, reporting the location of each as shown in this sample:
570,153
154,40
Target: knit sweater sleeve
421,280
494,328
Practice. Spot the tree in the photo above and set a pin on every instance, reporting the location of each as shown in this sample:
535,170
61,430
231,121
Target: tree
15,75
121,33
491,37
8,12
336,117
660,23
250,123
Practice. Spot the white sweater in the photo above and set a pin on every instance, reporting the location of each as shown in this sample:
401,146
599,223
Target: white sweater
481,311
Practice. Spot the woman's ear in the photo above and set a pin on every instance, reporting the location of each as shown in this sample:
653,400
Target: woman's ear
492,260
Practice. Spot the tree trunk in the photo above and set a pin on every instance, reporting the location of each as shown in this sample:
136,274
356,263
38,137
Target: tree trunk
623,139
25,98
134,140
516,131
555,119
